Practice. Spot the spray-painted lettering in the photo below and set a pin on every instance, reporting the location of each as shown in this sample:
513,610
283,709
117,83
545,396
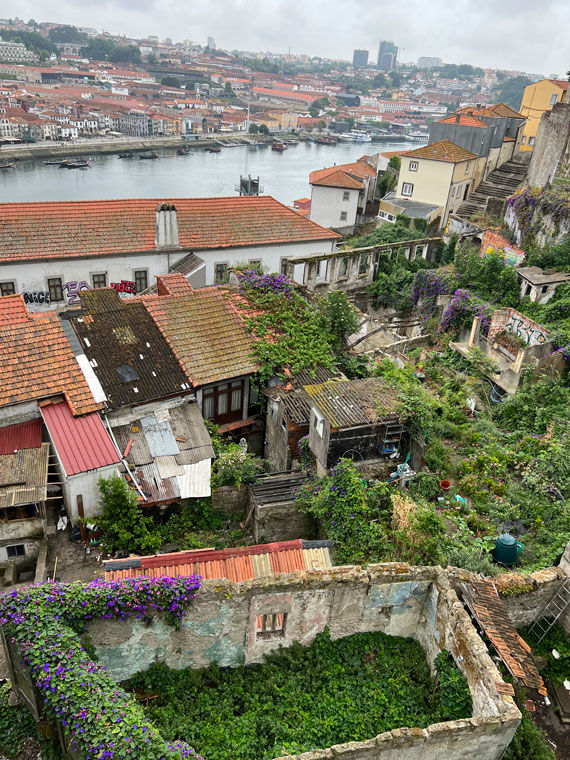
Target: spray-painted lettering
125,286
532,335
73,289
41,296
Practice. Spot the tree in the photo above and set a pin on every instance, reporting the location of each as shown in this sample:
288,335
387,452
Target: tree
66,33
321,125
396,79
263,129
228,92
253,129
152,59
511,91
339,319
123,521
170,81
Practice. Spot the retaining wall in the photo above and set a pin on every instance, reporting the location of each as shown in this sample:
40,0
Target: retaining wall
393,598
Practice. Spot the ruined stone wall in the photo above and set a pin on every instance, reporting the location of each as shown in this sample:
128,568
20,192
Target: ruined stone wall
281,521
394,598
232,500
552,145
526,596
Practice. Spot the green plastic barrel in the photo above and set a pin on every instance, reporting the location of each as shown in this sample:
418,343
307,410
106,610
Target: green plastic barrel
507,549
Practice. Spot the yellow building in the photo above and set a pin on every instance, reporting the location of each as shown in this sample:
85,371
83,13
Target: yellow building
441,174
537,99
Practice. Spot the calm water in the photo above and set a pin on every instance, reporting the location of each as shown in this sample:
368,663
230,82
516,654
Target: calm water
283,175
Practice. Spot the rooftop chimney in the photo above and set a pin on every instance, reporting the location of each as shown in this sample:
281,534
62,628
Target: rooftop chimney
166,231
457,118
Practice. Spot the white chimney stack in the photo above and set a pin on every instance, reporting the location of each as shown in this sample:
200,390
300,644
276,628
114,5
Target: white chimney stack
166,235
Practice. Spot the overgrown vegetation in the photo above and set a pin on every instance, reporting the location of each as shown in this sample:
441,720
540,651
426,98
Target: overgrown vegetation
301,698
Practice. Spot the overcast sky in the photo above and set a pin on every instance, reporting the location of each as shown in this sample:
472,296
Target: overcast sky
513,34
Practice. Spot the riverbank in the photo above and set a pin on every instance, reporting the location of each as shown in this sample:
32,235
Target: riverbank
101,146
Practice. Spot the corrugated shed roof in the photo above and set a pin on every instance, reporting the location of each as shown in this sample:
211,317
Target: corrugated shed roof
237,564
28,435
23,476
37,361
99,228
346,403
82,443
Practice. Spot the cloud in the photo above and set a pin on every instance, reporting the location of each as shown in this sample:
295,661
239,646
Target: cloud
511,34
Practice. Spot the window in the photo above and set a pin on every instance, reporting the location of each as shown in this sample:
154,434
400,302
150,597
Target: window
344,267
544,288
99,280
531,140
553,99
523,140
468,167
256,264
271,626
452,191
55,289
17,550
343,216
346,195
391,218
224,402
413,166
407,189
220,274
141,280
363,263
7,288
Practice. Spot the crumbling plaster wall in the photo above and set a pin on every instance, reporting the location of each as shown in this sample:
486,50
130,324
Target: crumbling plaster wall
393,598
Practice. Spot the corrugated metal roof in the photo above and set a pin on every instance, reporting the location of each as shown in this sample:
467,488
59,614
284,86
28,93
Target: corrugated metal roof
159,436
82,443
275,488
23,476
194,483
28,435
154,487
347,403
237,564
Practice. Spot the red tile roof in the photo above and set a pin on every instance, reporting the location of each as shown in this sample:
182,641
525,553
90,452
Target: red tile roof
465,121
70,229
37,361
562,83
82,443
235,564
205,331
497,110
338,179
28,435
354,174
444,150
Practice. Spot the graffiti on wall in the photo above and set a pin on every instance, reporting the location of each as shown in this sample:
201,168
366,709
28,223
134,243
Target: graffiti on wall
532,333
493,243
73,288
36,296
125,286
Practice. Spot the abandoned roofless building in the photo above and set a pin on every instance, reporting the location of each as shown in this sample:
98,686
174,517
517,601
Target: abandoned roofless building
222,626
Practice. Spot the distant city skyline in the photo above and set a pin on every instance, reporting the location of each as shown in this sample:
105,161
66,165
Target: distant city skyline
510,35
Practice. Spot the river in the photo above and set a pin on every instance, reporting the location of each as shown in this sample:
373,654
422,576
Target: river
285,175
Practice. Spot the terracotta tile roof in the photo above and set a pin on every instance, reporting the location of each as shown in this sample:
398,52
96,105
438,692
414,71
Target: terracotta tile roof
237,565
497,110
487,607
444,150
96,228
82,443
349,403
203,328
128,353
465,121
37,360
338,179
562,83
356,170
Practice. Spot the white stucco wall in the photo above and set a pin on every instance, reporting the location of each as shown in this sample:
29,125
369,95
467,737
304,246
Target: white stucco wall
327,204
85,484
32,277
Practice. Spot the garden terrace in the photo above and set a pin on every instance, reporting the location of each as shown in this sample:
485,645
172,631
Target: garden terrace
235,624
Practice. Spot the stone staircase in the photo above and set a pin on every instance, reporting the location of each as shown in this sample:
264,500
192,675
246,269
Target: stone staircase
492,193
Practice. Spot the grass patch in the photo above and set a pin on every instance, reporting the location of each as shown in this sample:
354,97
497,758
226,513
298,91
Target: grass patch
301,698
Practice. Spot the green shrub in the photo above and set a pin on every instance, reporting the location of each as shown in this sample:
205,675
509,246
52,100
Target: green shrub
454,694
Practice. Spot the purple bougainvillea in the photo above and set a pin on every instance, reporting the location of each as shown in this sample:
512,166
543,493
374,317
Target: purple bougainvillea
100,719
461,310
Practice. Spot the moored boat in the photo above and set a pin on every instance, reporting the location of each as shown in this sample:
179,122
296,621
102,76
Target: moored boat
279,146
214,149
126,155
77,164
183,151
148,155
53,163
6,166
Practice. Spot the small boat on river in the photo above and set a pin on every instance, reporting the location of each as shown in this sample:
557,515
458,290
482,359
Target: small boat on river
126,155
6,166
279,146
183,151
148,155
214,149
53,163
81,164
